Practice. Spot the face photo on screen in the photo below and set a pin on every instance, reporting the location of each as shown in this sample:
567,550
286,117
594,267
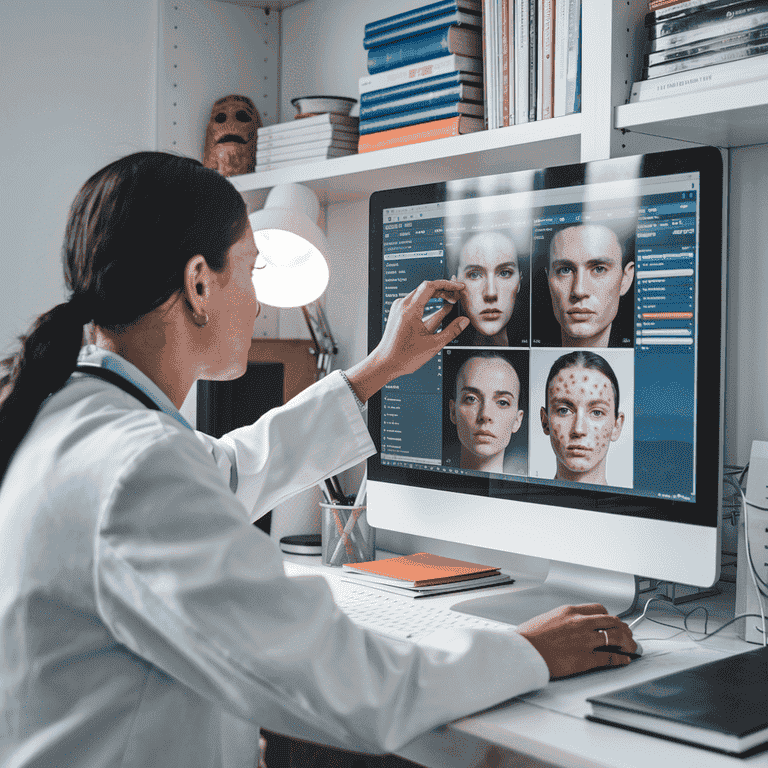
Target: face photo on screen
583,417
491,266
589,270
485,399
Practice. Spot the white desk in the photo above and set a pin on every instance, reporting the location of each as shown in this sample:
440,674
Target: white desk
548,728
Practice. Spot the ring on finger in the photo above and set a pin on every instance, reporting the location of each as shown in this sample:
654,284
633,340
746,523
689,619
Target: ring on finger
605,635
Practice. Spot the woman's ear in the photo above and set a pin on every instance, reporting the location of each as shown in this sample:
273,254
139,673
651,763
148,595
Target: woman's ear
197,284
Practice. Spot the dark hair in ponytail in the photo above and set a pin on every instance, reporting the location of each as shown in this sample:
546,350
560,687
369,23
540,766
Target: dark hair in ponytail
132,229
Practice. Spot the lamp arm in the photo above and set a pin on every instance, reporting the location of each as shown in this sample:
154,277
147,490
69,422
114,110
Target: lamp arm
325,346
308,321
319,329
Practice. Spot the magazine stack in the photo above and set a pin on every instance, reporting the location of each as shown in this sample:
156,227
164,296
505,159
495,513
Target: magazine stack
425,76
695,45
309,139
532,60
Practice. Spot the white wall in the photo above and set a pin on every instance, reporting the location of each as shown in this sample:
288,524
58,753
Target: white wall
78,89
747,367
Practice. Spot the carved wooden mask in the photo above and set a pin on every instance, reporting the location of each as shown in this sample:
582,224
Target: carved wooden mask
230,139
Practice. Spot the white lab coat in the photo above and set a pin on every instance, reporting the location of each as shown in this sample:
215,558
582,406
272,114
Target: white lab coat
145,622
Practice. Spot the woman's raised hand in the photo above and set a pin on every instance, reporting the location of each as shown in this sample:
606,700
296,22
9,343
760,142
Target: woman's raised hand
410,338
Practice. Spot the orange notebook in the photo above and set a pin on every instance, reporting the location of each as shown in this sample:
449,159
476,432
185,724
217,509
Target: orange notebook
420,570
415,134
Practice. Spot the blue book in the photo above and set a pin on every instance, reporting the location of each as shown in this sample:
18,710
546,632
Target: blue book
401,119
459,18
466,41
418,14
423,100
426,84
412,73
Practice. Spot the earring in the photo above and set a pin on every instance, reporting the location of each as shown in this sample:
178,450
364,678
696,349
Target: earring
200,319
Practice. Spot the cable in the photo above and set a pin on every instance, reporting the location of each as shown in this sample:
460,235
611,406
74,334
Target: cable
686,616
752,570
729,471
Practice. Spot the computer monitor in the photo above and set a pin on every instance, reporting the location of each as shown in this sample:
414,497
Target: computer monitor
579,418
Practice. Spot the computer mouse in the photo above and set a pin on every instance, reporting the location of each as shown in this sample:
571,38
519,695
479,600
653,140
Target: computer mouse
617,649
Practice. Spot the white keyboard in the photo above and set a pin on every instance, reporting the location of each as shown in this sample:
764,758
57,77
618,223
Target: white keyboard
402,618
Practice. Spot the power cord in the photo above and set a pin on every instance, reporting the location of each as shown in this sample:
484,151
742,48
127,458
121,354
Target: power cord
759,584
667,602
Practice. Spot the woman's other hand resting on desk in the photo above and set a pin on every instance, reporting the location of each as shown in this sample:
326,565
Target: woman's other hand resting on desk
409,339
568,639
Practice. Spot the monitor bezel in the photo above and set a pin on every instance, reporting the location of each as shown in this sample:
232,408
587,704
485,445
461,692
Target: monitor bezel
705,511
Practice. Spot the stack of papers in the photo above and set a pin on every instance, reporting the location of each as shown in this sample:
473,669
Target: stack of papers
422,574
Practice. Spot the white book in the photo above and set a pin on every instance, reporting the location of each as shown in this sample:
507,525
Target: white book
511,60
488,69
706,78
273,166
327,118
269,157
311,133
562,9
539,57
572,67
437,589
306,149
522,31
453,62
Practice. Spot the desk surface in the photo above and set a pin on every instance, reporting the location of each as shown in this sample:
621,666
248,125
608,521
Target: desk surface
548,727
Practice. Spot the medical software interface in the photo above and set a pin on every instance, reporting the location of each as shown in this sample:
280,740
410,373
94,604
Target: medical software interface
578,367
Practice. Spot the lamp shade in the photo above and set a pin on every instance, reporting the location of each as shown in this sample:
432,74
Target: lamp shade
292,270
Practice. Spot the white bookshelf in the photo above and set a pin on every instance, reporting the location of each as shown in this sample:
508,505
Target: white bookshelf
607,127
317,45
553,142
736,116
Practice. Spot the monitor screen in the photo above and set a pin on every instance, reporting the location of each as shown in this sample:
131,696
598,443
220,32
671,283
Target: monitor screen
590,375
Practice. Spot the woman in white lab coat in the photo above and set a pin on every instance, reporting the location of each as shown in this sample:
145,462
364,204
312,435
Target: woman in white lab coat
143,620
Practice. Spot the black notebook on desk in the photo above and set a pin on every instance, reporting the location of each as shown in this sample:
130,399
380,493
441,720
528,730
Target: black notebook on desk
722,705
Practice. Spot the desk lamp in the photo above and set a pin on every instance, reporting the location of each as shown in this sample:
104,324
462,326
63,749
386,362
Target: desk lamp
291,267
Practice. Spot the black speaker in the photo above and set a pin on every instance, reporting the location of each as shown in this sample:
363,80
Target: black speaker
226,405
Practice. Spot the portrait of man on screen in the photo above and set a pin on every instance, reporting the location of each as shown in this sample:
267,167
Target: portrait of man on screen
588,270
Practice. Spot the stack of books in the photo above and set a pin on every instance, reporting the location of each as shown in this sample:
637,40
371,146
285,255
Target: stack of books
304,140
425,75
532,60
695,45
422,575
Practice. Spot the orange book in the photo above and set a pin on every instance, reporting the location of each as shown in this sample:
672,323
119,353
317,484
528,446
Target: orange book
420,570
415,134
655,5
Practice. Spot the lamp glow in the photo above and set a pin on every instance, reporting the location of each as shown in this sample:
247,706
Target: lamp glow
291,268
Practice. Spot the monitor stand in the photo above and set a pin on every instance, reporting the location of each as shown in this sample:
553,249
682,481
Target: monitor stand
566,584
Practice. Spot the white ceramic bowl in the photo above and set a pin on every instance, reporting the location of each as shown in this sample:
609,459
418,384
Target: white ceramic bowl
341,105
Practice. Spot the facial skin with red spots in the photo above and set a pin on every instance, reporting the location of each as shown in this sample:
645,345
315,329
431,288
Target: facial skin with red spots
488,266
586,281
486,412
581,421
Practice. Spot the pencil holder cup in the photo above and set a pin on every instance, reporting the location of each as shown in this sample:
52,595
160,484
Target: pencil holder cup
346,535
